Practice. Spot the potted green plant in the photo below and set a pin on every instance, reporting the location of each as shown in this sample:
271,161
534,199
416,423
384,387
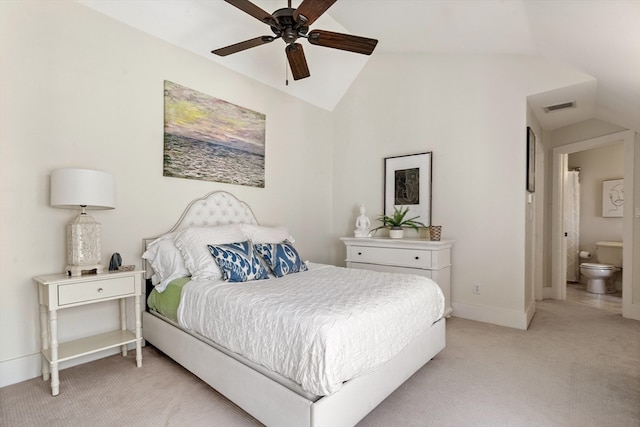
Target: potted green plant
397,221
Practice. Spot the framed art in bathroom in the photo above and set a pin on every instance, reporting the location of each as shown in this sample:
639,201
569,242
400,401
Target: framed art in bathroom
407,183
531,160
613,198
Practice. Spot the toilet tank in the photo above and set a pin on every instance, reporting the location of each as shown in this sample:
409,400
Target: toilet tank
609,253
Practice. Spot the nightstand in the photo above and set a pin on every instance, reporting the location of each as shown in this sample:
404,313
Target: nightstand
427,258
59,291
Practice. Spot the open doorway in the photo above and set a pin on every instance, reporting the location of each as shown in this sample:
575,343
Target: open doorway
559,244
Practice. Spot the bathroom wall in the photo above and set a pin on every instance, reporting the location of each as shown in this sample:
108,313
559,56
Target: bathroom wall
597,165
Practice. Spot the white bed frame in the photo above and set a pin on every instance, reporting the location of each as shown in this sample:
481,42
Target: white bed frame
264,398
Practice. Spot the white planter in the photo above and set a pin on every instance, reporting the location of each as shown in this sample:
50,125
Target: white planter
396,233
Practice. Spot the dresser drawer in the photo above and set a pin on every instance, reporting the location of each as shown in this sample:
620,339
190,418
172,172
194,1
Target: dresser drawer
414,258
95,290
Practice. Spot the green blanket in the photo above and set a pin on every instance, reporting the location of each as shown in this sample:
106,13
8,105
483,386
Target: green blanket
166,303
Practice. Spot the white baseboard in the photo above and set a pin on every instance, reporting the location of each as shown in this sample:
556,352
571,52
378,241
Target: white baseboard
495,315
20,369
27,367
530,311
630,310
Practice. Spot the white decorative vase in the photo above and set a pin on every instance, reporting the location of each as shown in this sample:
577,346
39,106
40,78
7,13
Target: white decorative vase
396,233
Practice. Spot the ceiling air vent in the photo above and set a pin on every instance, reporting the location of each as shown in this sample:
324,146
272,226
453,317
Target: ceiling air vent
558,107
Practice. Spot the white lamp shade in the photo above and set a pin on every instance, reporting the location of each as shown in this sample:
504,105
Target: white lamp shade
72,188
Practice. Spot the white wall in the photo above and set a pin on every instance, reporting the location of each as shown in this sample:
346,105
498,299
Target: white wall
597,165
471,112
81,90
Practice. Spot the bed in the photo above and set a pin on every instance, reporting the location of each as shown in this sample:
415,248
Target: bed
322,385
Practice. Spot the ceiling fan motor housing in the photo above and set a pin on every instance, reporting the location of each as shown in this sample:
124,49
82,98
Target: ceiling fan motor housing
287,27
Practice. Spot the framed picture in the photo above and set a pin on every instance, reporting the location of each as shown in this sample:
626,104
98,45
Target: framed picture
209,139
531,160
407,184
613,198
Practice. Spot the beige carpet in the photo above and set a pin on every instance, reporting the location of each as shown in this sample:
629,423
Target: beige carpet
575,366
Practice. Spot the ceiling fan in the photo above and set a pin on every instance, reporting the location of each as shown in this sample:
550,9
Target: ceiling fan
289,25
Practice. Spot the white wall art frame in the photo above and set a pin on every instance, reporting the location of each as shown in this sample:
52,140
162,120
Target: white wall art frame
407,184
613,198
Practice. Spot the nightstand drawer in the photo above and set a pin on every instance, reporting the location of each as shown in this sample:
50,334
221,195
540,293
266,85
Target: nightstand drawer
400,257
95,290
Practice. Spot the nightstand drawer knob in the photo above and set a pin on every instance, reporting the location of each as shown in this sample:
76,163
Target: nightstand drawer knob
359,253
100,289
417,257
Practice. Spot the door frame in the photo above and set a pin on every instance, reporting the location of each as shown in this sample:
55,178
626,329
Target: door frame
558,245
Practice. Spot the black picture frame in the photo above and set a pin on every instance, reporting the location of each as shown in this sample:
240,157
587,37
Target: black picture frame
531,160
407,184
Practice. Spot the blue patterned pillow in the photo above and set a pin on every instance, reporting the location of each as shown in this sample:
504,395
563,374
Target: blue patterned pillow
282,258
238,262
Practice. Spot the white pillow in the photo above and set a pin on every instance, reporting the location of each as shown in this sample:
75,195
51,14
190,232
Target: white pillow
261,234
166,261
193,242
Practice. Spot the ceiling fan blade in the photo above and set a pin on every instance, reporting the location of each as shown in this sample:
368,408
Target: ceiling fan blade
247,44
310,10
342,41
297,61
255,11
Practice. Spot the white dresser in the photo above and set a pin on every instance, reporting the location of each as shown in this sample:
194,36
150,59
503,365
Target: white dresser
415,256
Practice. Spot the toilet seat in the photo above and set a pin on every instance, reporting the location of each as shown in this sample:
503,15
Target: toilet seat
594,266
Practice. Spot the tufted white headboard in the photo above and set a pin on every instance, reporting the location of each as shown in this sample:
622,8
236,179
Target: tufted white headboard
216,208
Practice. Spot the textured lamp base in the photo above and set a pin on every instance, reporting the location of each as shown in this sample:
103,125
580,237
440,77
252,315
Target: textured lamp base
84,241
79,270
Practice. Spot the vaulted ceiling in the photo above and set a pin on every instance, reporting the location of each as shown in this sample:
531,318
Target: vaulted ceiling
600,38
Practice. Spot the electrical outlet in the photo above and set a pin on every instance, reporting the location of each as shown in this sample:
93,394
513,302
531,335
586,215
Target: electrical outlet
476,288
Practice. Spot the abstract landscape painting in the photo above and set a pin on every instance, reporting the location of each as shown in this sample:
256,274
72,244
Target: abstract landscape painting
209,139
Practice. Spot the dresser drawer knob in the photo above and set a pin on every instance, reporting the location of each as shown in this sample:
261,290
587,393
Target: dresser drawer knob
100,289
359,253
417,257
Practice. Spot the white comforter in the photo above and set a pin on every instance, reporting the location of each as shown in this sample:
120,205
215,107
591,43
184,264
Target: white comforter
318,328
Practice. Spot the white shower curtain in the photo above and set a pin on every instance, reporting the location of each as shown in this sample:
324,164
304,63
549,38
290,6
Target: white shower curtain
572,223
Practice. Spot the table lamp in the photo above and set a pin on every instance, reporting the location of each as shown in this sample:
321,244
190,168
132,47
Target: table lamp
83,189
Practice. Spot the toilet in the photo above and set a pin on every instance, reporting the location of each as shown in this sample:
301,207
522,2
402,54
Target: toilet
598,275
